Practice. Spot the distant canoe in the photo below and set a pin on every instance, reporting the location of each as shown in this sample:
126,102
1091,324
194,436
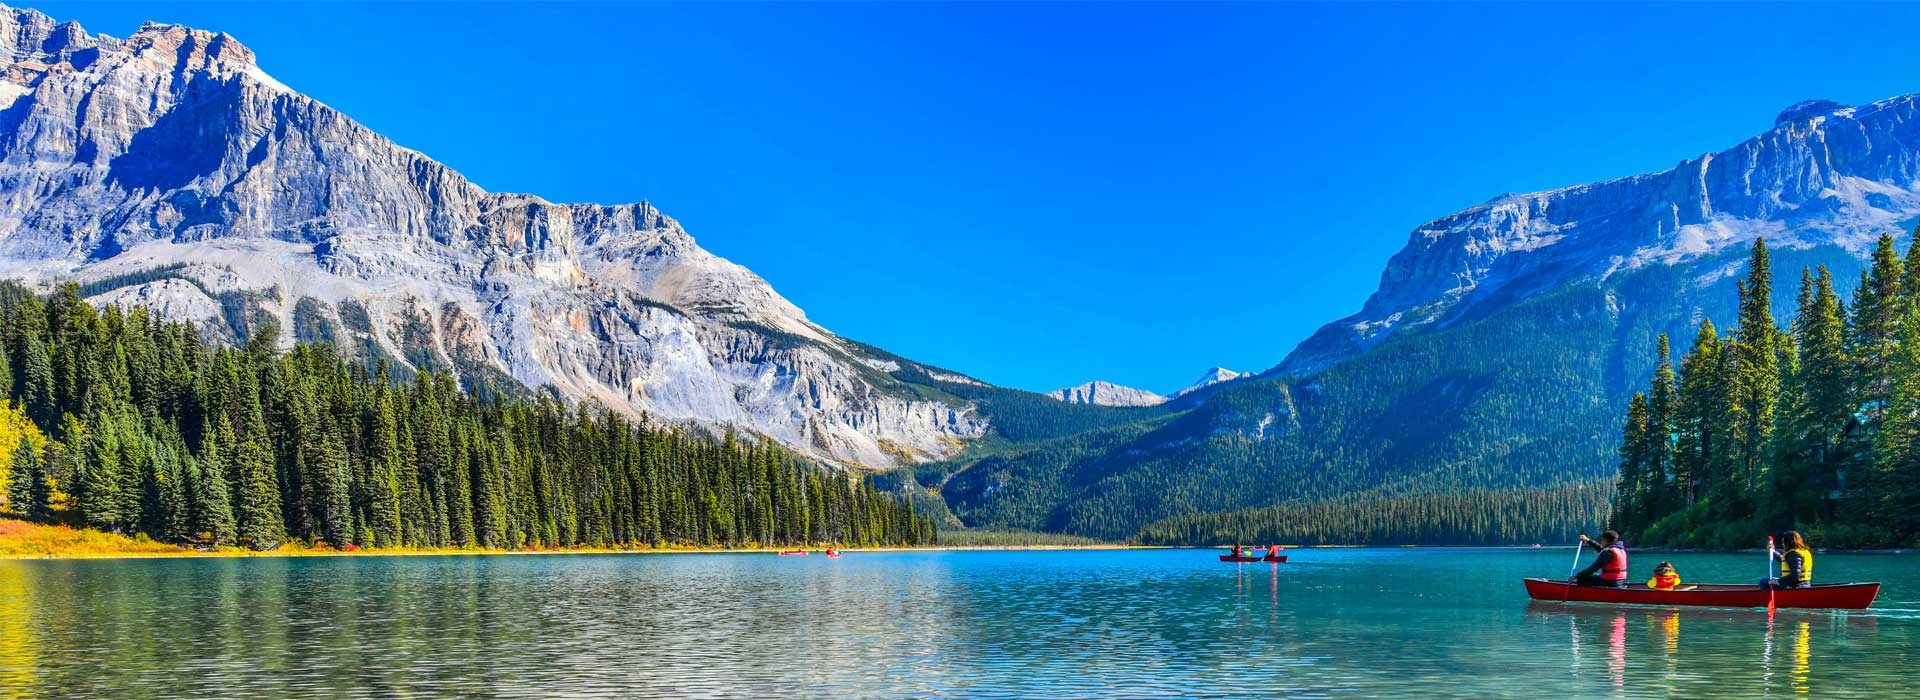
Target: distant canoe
795,553
1849,596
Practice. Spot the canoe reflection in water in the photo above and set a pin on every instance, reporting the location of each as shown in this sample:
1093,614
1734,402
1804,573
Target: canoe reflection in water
1641,650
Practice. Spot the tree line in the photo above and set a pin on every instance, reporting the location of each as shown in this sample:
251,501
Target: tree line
1815,426
1467,517
120,421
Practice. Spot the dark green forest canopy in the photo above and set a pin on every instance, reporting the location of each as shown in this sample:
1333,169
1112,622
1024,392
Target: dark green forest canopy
151,430
1759,429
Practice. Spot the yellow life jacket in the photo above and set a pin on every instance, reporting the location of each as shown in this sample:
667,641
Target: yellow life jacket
1806,564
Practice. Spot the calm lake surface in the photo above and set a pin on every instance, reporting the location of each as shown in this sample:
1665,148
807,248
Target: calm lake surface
1356,623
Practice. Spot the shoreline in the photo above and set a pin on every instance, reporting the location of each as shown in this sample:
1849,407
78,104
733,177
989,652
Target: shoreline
234,553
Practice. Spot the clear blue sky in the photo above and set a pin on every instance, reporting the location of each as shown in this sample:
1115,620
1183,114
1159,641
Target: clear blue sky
1040,195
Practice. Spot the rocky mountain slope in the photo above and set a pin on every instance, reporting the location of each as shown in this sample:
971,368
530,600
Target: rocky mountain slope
1825,174
168,169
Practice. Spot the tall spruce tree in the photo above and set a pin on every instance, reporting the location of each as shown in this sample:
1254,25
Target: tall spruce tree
213,521
1756,378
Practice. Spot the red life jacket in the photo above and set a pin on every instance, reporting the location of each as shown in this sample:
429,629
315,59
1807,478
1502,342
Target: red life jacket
1615,570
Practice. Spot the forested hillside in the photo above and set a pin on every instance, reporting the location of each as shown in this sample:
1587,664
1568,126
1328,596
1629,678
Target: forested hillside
1759,429
1466,517
124,423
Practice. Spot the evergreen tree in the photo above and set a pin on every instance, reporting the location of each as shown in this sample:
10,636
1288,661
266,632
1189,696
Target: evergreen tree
1756,379
213,521
28,492
1700,455
1630,501
1663,407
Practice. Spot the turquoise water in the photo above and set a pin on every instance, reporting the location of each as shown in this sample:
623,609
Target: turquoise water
1158,623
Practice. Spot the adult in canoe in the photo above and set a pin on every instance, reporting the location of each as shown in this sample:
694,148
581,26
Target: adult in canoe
1610,568
1796,563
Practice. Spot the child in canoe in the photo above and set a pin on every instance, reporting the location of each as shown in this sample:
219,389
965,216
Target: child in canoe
1664,577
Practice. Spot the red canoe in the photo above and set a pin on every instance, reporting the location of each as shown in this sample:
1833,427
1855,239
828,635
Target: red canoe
1852,596
1277,559
1229,557
800,553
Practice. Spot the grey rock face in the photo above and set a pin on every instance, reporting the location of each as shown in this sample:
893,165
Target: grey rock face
1824,173
1107,394
172,148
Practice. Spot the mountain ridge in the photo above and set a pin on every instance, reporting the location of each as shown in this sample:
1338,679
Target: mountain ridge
1785,183
171,150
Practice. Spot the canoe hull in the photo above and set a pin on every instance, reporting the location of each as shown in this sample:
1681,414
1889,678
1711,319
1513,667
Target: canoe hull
1281,559
1847,596
793,554
1229,557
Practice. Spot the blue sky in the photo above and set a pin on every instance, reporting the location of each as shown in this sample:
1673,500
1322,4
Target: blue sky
1041,194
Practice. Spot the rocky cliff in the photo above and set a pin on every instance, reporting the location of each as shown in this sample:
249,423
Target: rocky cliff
1107,394
1825,174
171,162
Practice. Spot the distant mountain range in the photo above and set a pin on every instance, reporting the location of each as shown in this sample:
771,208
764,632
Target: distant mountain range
1108,394
168,170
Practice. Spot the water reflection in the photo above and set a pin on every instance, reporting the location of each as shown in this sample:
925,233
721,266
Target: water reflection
1100,624
18,645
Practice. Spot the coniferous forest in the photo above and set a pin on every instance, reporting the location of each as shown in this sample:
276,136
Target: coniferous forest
121,422
1814,425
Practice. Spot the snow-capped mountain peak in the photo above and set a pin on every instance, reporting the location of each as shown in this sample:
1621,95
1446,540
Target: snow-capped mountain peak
1213,376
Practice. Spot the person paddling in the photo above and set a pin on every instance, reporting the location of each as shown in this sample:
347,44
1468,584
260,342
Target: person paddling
1796,563
1608,569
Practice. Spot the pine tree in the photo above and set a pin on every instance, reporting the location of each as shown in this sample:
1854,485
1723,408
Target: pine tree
1704,401
1875,326
1895,493
1629,504
261,522
28,492
1756,379
213,520
1662,490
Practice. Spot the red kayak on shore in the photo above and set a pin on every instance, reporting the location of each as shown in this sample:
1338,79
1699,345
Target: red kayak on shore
1848,596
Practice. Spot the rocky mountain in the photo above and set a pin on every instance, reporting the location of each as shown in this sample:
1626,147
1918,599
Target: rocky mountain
167,169
1107,394
1499,349
1824,175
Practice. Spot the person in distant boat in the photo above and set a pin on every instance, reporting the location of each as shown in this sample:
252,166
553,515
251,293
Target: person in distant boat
1608,569
1796,563
1664,577
1238,552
